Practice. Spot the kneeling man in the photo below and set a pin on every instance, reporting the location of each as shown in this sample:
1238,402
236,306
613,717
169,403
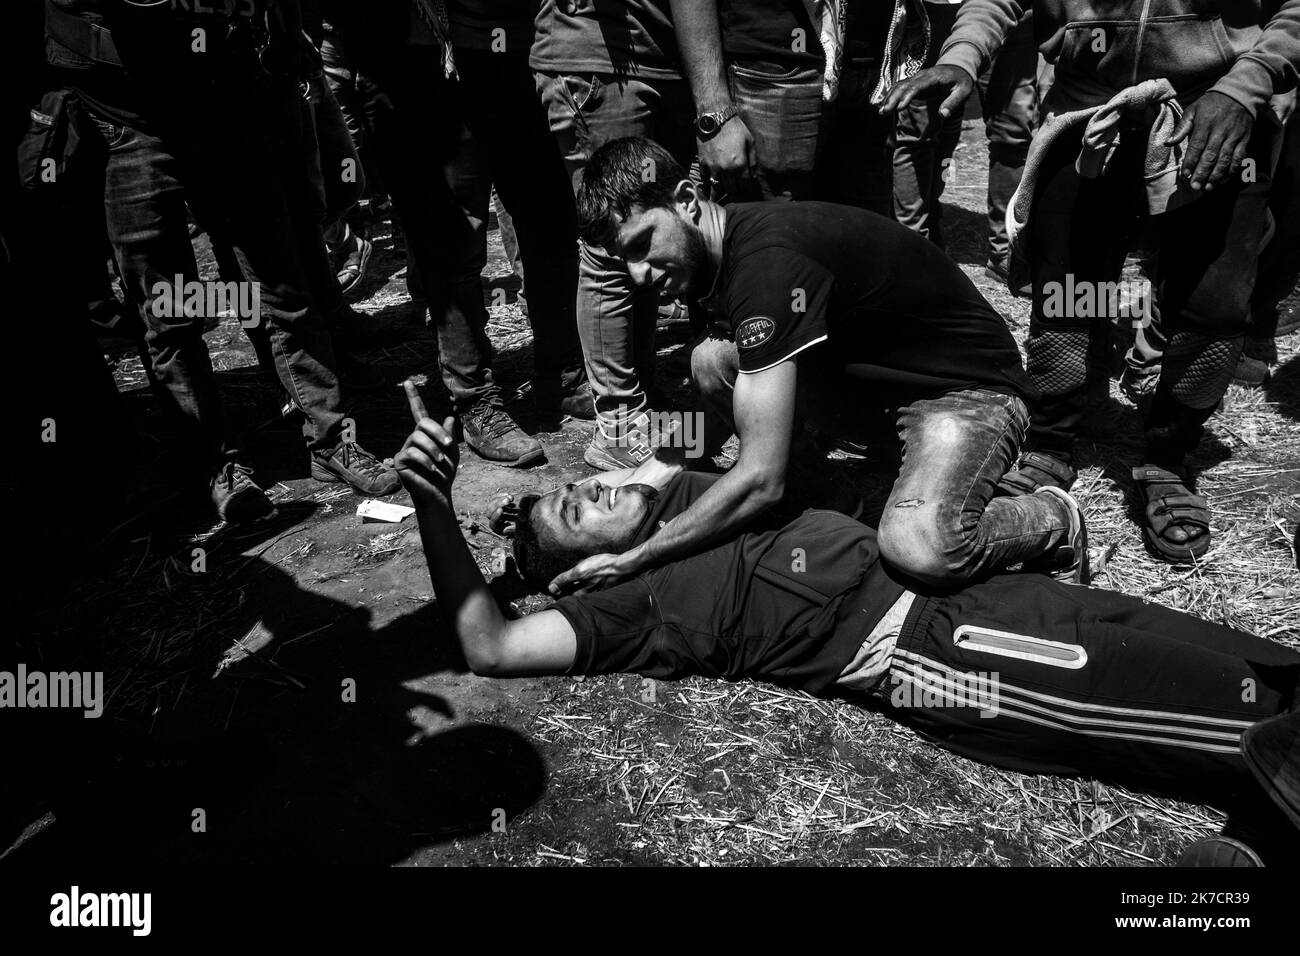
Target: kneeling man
1019,670
808,289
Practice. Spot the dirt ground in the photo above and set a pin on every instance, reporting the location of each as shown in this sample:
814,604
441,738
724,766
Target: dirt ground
302,691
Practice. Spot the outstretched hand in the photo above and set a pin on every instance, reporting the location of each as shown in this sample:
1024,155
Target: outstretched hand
592,574
952,81
427,462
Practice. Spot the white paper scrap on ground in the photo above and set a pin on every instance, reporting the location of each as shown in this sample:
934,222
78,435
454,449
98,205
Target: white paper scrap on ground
372,510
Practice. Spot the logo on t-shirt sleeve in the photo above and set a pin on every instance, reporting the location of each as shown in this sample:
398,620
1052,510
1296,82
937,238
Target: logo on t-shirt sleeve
754,332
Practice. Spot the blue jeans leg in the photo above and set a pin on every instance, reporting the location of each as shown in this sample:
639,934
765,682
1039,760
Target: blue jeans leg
941,523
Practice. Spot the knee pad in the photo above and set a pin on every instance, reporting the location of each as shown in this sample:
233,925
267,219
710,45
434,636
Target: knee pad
1058,360
1198,368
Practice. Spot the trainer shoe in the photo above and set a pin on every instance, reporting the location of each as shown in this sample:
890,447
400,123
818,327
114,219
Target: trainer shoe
351,463
1219,851
1272,751
236,497
1069,563
621,447
494,435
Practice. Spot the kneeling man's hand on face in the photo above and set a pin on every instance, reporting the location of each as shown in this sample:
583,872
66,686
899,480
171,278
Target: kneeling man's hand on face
427,462
592,574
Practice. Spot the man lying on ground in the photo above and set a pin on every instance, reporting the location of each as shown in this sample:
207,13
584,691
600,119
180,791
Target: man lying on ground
1018,670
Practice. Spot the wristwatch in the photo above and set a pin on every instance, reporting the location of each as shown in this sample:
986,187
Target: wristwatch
708,124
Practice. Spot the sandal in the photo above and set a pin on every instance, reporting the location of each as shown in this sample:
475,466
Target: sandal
1035,471
1175,506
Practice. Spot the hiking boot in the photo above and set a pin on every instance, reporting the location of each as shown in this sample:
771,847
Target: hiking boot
1250,372
1069,563
494,435
236,497
621,447
351,463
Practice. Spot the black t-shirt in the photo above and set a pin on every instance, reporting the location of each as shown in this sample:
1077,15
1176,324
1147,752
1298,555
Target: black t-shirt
789,604
895,312
770,30
866,28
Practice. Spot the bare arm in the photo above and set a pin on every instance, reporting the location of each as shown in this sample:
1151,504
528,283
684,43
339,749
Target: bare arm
542,643
979,32
728,156
764,411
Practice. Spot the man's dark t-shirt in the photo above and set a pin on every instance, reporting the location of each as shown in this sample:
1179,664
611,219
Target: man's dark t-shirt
777,31
789,604
892,309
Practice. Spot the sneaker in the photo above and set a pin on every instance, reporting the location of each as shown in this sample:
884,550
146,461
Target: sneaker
1250,372
236,497
1069,563
351,463
1272,751
1219,851
352,271
626,447
494,435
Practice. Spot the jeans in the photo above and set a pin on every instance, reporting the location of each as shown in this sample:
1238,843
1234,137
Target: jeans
782,108
149,178
315,199
335,165
942,524
1207,253
1010,93
616,320
413,114
856,148
505,141
924,144
350,91
838,152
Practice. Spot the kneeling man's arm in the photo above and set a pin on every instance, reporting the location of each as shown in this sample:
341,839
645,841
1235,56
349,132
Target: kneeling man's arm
542,643
763,404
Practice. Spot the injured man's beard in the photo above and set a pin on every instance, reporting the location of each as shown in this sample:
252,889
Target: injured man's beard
649,493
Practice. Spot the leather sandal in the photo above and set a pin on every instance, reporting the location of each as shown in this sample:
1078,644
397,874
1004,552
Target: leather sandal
1176,508
1037,470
